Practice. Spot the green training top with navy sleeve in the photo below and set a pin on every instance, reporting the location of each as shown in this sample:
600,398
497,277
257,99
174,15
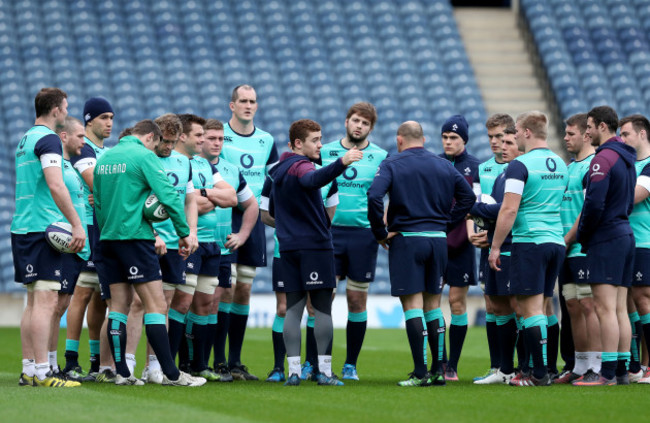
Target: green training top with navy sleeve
540,177
39,148
253,154
205,175
90,152
488,171
75,184
353,184
231,174
573,199
640,216
123,179
179,173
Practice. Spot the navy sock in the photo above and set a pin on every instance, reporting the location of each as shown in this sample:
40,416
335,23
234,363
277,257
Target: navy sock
223,324
609,364
279,349
117,341
491,333
196,334
536,341
645,325
236,331
506,328
176,331
435,322
567,347
71,354
417,336
457,333
522,352
623,363
156,331
635,344
311,354
553,333
211,336
355,332
94,355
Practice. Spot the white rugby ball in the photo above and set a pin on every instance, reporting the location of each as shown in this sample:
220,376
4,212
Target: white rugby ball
59,236
153,209
479,221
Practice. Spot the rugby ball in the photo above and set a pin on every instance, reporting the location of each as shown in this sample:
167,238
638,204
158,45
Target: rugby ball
59,236
479,221
153,210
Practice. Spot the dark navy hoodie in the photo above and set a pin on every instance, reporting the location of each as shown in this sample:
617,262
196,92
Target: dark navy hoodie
301,222
422,188
610,194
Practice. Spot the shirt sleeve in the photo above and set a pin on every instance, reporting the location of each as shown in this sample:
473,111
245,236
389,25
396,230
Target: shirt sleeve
216,176
49,151
273,158
87,159
190,185
378,189
332,198
644,178
516,177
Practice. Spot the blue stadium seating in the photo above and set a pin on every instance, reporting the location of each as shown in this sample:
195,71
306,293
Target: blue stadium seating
306,58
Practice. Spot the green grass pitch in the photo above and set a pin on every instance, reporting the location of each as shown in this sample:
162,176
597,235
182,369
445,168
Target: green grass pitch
384,360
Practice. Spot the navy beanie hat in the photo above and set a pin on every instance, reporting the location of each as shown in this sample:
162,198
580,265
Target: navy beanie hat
457,124
94,107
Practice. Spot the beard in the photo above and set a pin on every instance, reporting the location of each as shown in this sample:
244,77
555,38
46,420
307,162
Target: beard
356,140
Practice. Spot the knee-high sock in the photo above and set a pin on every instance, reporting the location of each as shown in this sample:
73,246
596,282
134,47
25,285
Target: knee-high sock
635,345
523,357
491,333
223,324
236,331
645,327
212,336
506,341
311,353
417,336
196,333
553,333
457,333
296,302
536,339
279,350
355,332
117,341
321,300
609,364
435,322
176,330
154,324
567,347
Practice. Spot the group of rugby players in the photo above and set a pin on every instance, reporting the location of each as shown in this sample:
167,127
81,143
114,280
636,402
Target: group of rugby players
188,278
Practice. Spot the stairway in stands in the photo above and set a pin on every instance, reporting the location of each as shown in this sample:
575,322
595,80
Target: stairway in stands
504,68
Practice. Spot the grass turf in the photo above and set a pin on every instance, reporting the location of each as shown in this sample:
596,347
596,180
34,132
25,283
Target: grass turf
384,360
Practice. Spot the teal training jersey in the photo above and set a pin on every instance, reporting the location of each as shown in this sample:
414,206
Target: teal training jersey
640,216
205,175
573,199
230,173
35,207
540,177
75,184
353,184
179,173
488,172
253,154
90,153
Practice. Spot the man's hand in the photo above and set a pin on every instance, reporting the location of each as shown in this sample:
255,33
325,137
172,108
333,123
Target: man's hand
187,245
235,240
385,243
479,239
91,200
161,247
78,239
494,259
353,155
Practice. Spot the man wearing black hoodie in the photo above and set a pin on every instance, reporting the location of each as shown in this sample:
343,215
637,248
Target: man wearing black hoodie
307,253
606,236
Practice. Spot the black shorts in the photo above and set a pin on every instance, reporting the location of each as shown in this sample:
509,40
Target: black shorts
308,270
355,253
34,259
416,264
